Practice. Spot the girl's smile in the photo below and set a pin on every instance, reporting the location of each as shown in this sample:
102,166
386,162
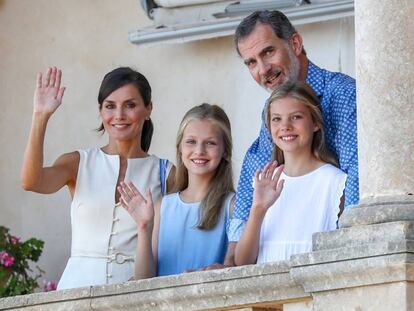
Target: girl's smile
291,125
201,147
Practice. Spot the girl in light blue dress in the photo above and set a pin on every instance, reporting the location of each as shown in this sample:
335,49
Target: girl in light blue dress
187,229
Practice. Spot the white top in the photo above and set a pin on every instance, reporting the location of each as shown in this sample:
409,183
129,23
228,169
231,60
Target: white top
307,204
104,235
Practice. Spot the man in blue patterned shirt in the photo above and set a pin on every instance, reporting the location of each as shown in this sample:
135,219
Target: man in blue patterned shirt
272,50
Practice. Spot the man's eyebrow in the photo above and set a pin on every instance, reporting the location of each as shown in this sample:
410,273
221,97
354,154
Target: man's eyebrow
267,49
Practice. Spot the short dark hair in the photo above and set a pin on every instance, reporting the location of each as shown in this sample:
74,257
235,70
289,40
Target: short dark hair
280,24
120,77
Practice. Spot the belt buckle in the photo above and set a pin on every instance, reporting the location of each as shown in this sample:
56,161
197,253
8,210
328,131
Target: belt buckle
119,258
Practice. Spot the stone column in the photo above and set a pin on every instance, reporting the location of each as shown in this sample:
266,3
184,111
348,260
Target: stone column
385,99
368,264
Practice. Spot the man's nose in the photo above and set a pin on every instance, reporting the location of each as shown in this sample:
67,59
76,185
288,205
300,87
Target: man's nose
264,67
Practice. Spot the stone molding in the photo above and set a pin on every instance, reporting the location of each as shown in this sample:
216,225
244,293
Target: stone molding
354,272
262,285
379,210
349,258
357,256
362,235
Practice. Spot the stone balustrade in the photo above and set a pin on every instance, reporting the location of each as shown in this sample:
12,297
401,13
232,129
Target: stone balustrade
267,286
363,267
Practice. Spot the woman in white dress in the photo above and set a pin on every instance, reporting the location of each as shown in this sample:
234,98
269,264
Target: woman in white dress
103,234
281,222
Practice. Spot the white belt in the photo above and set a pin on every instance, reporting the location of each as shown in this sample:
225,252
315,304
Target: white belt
117,257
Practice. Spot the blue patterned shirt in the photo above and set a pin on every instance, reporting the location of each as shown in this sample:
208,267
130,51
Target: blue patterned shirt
337,95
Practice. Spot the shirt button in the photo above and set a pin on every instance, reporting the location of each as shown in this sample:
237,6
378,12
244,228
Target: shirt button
109,275
114,233
115,219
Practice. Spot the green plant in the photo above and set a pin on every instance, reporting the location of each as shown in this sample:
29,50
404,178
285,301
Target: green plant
14,264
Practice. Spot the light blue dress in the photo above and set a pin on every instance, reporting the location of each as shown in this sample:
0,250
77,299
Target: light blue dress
181,245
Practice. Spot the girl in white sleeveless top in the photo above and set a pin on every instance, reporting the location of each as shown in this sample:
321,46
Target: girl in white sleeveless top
301,196
103,235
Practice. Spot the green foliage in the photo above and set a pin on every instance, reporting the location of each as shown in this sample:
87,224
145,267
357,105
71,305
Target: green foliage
14,264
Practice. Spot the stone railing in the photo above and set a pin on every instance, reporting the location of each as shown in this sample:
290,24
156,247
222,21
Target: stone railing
256,287
359,267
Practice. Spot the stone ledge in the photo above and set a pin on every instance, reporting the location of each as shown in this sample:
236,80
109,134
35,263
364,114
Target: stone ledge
193,278
267,284
216,289
352,253
354,273
362,235
379,210
61,296
357,256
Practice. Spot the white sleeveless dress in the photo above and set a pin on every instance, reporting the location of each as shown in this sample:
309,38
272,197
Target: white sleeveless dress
104,236
307,204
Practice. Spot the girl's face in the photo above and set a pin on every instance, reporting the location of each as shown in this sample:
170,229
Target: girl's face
123,113
291,125
202,147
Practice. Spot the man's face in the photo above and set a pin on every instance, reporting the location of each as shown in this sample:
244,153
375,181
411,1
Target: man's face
271,61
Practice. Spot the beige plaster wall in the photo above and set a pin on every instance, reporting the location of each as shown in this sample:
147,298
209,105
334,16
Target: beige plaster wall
88,38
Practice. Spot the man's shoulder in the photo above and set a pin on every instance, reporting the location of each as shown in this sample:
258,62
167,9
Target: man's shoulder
339,82
327,83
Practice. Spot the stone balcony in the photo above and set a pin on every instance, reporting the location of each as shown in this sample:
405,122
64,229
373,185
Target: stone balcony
268,286
363,267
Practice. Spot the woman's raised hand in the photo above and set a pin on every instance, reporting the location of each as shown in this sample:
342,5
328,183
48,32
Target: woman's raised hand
141,209
48,94
267,187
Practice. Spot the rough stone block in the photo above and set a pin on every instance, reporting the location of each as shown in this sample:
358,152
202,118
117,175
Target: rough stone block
333,275
207,290
60,300
360,235
384,297
379,210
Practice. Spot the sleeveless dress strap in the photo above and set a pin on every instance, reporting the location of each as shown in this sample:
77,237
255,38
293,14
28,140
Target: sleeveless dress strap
163,175
227,203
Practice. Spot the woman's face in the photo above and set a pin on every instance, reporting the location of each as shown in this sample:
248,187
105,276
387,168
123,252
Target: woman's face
123,113
291,125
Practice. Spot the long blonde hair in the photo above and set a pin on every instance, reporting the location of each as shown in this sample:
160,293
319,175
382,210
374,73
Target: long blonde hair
222,183
305,94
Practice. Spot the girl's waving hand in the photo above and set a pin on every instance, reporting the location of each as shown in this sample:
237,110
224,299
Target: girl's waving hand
267,187
141,209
